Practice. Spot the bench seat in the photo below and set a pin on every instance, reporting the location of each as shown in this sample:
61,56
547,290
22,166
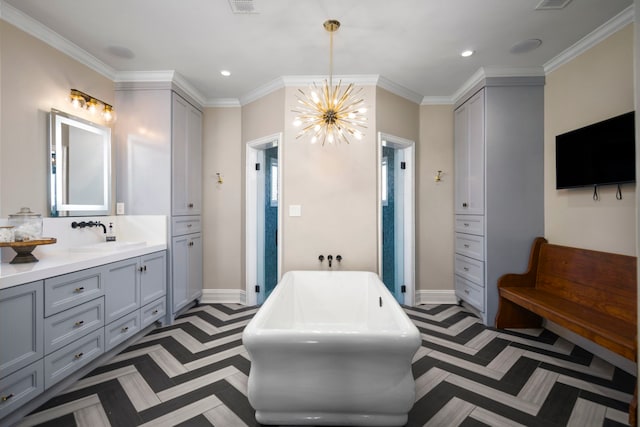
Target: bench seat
608,331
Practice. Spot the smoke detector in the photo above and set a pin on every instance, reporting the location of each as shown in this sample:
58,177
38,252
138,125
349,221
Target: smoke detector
243,6
552,4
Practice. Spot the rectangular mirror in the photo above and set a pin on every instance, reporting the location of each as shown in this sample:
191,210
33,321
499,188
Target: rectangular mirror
80,166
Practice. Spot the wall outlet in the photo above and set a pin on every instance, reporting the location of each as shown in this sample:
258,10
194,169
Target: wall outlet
119,208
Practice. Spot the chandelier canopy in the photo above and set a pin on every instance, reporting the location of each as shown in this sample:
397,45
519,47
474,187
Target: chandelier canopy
330,113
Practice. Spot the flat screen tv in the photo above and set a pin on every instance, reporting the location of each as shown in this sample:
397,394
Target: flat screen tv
599,154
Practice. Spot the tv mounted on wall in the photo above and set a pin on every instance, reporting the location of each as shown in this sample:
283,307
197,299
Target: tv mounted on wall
599,154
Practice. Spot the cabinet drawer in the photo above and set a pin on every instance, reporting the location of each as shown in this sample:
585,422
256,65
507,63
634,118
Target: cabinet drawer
470,292
69,290
153,311
470,224
63,328
21,387
185,225
121,330
471,269
61,363
470,245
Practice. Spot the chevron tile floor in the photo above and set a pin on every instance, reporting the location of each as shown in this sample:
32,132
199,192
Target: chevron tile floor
194,373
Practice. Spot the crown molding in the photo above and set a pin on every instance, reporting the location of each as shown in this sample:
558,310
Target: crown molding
613,25
437,100
484,73
34,28
399,90
259,92
223,103
160,79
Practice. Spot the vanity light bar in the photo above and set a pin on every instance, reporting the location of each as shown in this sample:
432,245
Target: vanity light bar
80,99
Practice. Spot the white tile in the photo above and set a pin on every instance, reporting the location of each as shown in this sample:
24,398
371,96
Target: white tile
618,416
429,380
449,344
196,383
223,416
139,392
135,353
204,361
167,362
100,378
239,381
595,388
538,386
452,414
492,419
586,414
492,393
422,352
184,338
482,339
505,360
185,413
224,340
465,364
59,411
92,416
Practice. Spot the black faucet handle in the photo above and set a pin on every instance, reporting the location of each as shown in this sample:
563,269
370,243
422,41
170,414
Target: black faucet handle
321,258
329,257
338,258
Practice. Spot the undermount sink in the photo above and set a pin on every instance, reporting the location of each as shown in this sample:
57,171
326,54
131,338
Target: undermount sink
108,247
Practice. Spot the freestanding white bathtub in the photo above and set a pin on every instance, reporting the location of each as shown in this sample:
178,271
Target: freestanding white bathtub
331,348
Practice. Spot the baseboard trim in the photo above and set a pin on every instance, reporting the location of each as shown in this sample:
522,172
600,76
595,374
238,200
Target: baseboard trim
224,296
436,297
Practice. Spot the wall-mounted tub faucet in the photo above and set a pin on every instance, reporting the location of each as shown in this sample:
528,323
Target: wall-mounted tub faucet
330,258
83,224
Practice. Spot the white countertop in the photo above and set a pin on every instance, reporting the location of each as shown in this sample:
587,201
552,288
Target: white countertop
55,263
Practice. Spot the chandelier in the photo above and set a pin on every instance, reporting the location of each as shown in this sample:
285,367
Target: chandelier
330,113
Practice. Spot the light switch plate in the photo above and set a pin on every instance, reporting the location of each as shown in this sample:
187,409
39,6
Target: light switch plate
119,208
295,210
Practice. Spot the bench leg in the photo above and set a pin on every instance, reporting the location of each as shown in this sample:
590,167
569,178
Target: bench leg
511,315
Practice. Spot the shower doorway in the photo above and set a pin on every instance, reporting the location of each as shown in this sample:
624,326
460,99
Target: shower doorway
263,219
396,222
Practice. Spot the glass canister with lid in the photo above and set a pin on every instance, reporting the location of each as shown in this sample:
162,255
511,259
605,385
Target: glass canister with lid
27,225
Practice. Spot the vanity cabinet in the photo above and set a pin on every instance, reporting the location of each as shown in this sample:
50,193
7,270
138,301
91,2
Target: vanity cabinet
130,285
499,185
167,177
51,328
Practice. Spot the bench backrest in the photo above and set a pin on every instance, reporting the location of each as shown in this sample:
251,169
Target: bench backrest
605,281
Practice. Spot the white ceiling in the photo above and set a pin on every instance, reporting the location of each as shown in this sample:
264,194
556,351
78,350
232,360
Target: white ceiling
412,43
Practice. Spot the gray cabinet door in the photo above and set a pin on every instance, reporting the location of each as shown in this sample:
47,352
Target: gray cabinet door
195,267
153,278
186,157
122,288
21,324
20,387
180,270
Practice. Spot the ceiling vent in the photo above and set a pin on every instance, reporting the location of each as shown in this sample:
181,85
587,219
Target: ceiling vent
552,4
243,6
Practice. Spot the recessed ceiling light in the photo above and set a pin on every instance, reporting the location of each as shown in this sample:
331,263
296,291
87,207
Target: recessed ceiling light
225,73
525,46
466,53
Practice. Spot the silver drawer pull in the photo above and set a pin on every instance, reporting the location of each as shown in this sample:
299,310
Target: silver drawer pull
190,205
79,323
466,224
125,329
466,291
155,311
466,268
78,290
189,225
7,397
78,356
466,246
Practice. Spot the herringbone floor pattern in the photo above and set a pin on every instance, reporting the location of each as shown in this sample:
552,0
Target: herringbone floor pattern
194,373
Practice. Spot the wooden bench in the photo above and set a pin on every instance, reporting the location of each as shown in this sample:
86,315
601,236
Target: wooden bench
590,293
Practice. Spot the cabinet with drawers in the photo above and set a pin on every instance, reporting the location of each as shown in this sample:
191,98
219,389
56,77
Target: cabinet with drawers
61,324
498,155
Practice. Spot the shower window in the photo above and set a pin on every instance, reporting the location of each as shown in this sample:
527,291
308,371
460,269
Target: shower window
274,182
385,190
